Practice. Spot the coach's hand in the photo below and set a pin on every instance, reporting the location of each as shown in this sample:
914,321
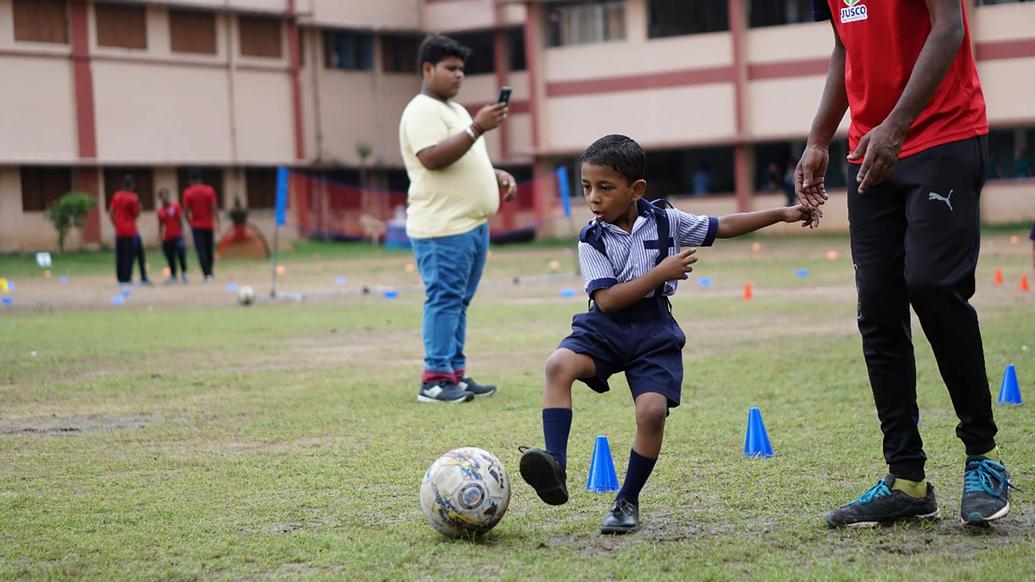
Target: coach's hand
678,266
507,183
878,150
491,116
810,176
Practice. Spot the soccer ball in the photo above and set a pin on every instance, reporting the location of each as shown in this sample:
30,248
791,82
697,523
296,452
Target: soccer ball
465,493
245,295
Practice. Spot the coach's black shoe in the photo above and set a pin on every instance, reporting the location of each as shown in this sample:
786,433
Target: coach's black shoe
545,474
986,491
442,392
478,390
623,517
882,505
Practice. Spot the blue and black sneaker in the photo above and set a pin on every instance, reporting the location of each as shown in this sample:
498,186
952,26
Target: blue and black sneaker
986,491
478,390
442,392
882,505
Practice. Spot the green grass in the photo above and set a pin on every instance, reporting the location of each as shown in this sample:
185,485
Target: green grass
283,440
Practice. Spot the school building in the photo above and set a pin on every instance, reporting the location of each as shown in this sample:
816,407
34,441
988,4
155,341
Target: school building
721,93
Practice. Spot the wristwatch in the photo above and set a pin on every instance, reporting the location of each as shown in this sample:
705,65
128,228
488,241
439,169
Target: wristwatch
470,132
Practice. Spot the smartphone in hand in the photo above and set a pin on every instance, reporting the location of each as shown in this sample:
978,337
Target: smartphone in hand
504,95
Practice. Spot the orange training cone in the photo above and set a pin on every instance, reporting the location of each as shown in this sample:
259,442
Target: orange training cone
998,277
1024,284
747,290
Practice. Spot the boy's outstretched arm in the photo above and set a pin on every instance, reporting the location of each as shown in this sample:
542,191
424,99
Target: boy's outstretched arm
740,223
622,295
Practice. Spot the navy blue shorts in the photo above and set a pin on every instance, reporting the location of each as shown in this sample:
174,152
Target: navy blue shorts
643,340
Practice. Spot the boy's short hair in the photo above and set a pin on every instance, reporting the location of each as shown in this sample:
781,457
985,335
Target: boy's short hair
620,153
439,47
195,174
128,181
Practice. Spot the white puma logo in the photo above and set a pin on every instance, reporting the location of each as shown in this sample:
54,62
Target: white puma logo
945,199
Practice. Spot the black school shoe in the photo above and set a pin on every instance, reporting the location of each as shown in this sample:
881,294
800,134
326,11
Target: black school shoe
882,505
624,517
545,474
986,491
478,390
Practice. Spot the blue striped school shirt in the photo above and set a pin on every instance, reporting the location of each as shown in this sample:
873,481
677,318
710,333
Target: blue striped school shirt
608,255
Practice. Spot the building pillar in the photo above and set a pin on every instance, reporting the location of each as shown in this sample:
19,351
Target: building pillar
744,175
86,123
743,152
296,86
543,185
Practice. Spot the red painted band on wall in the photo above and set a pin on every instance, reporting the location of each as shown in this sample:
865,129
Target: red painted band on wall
1005,49
703,76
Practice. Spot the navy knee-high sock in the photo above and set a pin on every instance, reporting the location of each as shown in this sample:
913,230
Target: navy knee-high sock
556,425
636,476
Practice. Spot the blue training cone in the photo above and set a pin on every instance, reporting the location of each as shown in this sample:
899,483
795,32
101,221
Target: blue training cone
1010,391
756,443
602,478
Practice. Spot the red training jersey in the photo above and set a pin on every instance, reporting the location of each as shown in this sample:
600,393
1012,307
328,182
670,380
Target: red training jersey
200,199
882,41
125,206
171,217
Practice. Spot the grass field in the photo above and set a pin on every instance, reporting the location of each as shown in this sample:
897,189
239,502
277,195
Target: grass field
182,436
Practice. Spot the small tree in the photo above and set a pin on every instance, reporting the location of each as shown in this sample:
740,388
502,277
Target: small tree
69,211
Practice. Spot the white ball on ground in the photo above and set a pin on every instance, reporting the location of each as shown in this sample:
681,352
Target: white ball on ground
465,493
245,295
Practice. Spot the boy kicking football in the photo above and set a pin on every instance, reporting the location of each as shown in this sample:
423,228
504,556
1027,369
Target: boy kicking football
631,259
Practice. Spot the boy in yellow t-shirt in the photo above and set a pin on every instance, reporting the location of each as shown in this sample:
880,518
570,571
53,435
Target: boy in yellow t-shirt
453,191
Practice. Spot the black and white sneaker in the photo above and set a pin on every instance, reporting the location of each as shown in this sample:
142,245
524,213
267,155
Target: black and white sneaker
443,392
477,390
624,517
881,504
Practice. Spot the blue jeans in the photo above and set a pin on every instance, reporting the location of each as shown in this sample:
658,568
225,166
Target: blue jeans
451,267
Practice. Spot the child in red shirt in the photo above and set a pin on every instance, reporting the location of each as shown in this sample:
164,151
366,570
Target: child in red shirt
170,227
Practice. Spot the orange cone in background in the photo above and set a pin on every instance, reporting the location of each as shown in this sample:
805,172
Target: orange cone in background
1024,284
747,290
998,277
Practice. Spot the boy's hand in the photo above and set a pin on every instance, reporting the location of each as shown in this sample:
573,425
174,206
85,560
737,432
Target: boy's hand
678,266
491,116
507,184
808,217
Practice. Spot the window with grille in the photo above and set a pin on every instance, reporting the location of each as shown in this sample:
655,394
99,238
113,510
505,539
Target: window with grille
192,31
41,20
352,51
260,36
121,25
43,185
262,187
585,22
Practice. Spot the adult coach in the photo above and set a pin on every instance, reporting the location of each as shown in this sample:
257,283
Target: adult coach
919,150
453,191
123,211
202,208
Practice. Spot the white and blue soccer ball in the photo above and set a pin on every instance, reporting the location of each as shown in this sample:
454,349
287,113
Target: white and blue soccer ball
465,493
245,295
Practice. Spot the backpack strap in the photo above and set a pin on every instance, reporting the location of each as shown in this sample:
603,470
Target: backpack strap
591,234
664,234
